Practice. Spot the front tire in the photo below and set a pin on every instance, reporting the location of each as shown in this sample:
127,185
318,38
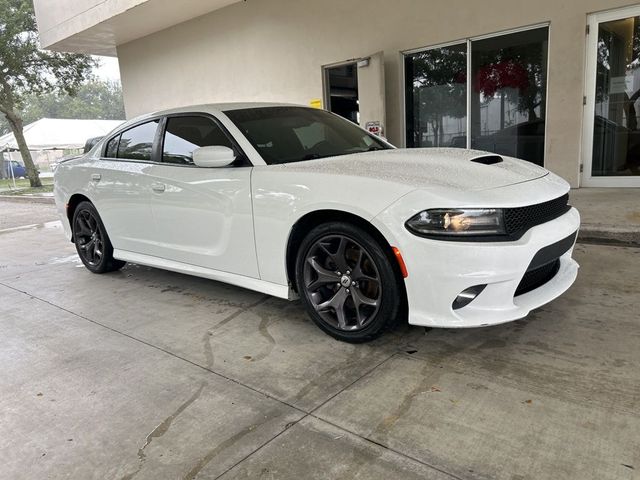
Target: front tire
347,282
92,242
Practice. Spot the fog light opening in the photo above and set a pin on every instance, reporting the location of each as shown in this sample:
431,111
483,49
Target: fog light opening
467,296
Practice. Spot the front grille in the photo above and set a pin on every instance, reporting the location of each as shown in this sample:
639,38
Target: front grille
537,277
518,220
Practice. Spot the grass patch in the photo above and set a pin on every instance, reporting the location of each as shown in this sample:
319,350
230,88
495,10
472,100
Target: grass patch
23,186
28,191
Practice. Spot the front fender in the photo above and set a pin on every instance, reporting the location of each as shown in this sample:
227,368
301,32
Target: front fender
281,199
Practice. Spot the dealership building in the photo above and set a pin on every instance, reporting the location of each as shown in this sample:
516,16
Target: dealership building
554,82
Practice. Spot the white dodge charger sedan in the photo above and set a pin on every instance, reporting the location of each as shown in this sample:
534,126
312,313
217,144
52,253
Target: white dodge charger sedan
298,202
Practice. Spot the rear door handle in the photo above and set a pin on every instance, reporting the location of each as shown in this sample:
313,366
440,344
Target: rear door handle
95,177
158,187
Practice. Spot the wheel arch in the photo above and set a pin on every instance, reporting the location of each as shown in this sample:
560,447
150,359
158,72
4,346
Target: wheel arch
317,217
71,206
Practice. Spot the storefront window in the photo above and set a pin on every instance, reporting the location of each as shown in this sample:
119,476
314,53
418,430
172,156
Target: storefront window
616,136
506,94
436,86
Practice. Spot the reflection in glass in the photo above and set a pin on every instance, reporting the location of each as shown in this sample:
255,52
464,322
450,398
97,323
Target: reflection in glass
616,139
508,94
184,134
137,142
436,97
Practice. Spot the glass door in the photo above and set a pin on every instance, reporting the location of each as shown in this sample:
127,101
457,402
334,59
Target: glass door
611,147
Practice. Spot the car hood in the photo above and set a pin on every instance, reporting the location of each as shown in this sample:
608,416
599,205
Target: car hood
427,167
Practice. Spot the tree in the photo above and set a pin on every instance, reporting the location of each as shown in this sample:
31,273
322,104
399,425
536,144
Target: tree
26,69
518,73
95,99
439,89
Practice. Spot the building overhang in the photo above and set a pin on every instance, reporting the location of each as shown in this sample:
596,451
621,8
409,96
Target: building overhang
98,26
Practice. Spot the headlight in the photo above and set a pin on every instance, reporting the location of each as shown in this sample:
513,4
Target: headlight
458,222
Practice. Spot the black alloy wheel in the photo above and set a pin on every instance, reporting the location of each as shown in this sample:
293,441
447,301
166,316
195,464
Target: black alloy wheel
92,242
347,282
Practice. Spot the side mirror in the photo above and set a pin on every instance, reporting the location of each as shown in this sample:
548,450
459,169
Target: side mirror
214,156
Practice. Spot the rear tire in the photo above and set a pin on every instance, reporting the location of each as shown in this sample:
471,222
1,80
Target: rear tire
92,242
347,282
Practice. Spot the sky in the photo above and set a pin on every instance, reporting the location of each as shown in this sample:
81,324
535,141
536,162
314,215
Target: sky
108,69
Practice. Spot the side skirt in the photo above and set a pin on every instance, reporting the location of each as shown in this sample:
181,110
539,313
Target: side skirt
274,289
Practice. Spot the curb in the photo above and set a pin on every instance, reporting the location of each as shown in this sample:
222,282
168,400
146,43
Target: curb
609,235
27,199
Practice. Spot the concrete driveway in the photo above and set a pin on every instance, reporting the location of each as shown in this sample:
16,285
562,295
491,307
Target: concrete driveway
149,374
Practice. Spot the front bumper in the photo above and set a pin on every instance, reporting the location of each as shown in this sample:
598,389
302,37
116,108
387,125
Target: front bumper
440,270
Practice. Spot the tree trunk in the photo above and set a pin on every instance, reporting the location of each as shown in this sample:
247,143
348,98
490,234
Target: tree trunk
15,123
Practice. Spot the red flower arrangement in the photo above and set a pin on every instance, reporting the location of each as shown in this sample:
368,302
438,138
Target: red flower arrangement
507,74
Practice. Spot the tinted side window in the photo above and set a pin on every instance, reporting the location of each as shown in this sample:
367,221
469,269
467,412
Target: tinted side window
137,142
112,147
184,134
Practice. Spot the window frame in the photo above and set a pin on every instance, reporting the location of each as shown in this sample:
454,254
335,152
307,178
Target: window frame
586,177
118,133
469,41
158,140
241,158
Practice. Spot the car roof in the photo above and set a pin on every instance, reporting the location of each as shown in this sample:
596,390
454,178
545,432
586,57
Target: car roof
214,108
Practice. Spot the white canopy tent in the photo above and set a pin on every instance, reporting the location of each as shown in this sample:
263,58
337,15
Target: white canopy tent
59,133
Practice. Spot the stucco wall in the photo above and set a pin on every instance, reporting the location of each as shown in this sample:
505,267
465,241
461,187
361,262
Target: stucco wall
273,50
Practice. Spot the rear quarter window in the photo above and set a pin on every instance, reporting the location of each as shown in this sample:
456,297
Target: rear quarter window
137,142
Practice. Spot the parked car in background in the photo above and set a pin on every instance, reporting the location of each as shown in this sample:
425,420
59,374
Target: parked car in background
294,201
13,169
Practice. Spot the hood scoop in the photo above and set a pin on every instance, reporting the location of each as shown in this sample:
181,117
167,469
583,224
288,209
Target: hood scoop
487,159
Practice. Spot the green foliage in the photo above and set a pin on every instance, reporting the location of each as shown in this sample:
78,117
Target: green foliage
25,68
439,89
95,99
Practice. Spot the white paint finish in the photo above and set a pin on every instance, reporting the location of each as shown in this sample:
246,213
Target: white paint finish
233,224
283,195
122,195
280,291
203,217
422,167
439,271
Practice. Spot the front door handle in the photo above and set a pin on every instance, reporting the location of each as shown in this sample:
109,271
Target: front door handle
95,177
158,187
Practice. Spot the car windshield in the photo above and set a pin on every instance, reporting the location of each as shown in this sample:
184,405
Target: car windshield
295,134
